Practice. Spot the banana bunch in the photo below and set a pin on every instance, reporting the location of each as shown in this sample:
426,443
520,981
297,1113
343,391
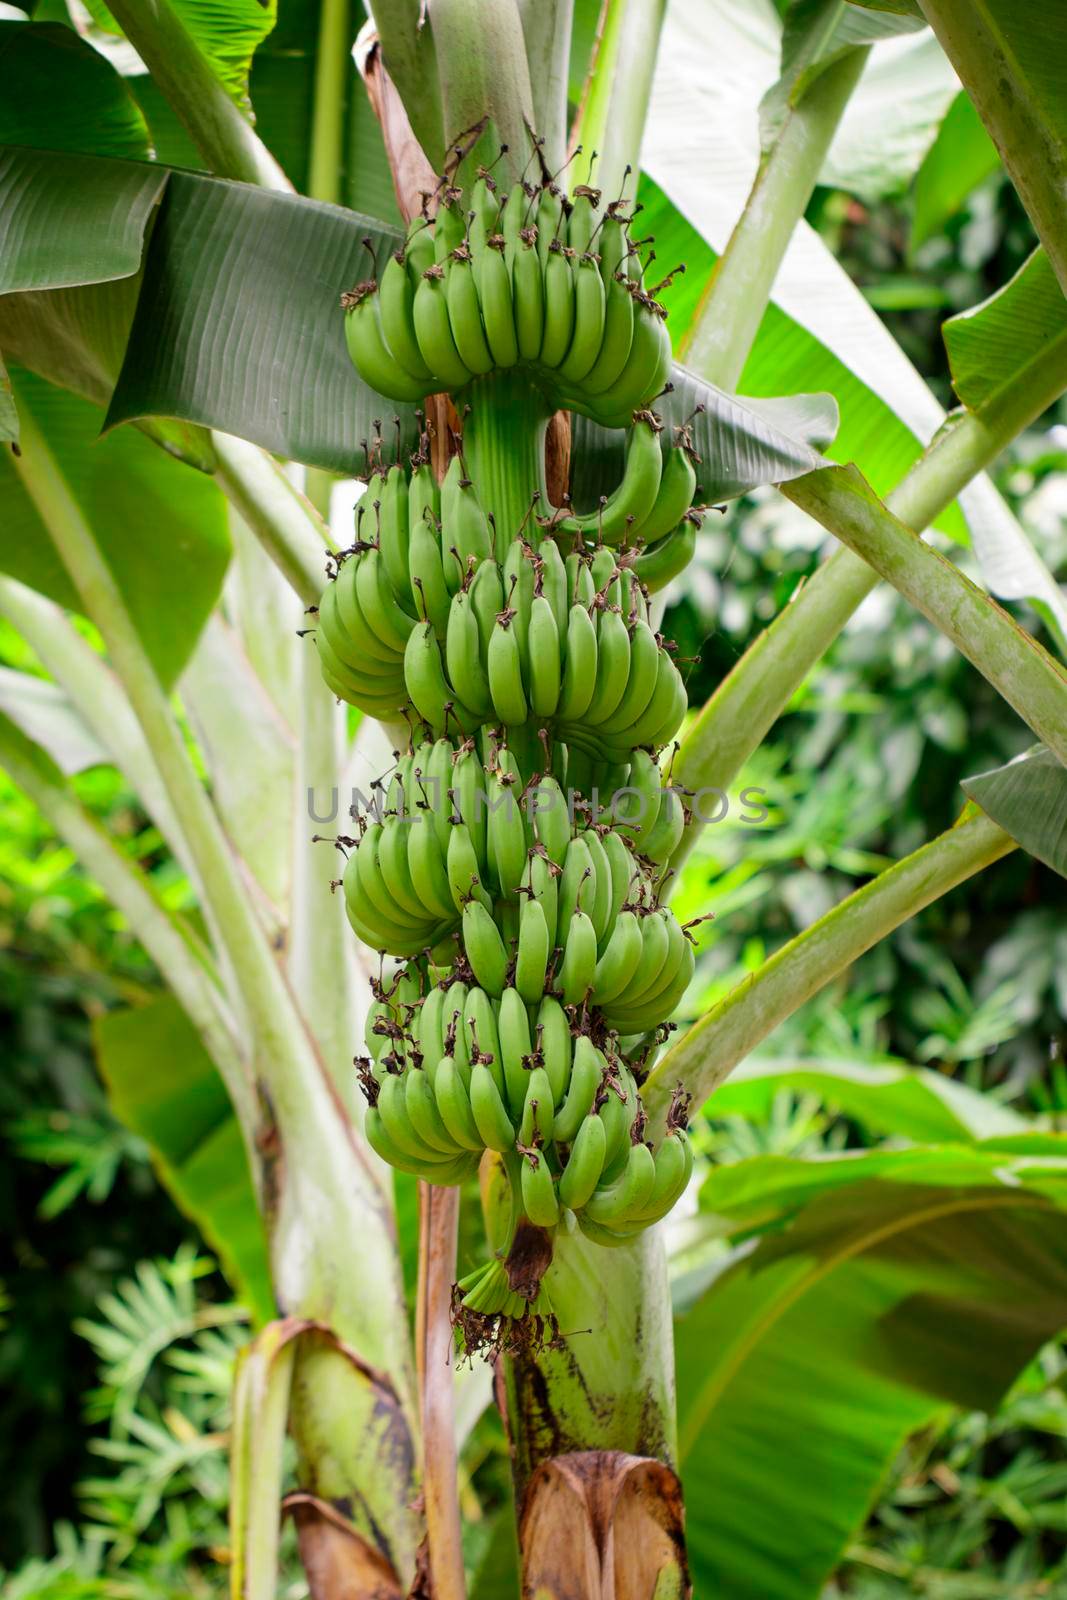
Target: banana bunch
533,278
455,1071
653,495
536,639
590,933
454,842
514,860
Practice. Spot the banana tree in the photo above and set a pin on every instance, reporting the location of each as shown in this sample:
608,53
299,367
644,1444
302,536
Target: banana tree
417,264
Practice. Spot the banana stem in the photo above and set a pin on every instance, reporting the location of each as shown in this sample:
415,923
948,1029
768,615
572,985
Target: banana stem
731,311
614,104
438,1227
217,126
732,1029
504,449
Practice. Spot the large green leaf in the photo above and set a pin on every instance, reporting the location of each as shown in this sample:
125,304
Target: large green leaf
893,100
282,86
163,1085
162,529
702,150
1011,56
765,1192
70,219
892,120
76,335
1028,799
959,159
268,269
812,1356
995,345
997,348
46,715
885,1098
227,32
9,417
700,156
903,8
58,93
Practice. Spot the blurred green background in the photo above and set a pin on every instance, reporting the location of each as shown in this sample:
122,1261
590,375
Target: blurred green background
117,1334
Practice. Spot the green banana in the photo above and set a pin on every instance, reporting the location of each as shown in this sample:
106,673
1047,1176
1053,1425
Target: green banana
634,499
394,534
430,691
485,949
585,1163
586,1073
464,869
666,833
421,1106
465,312
429,874
581,667
463,657
531,961
370,354
559,306
551,821
620,1201
505,833
677,486
578,968
618,963
529,296
658,564
536,1120
504,664
539,1198
397,309
498,309
615,343
427,576
589,317
454,1106
613,667
487,1108
554,1032
544,659
513,1027
541,874
433,329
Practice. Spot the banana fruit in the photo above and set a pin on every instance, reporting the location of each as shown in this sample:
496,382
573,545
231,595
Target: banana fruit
538,279
509,866
572,651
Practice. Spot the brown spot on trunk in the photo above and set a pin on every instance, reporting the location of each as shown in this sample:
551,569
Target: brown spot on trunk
558,457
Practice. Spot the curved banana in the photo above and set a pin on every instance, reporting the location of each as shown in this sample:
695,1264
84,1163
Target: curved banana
585,1163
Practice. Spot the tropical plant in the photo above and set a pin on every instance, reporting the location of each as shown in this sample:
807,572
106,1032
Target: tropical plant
163,281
